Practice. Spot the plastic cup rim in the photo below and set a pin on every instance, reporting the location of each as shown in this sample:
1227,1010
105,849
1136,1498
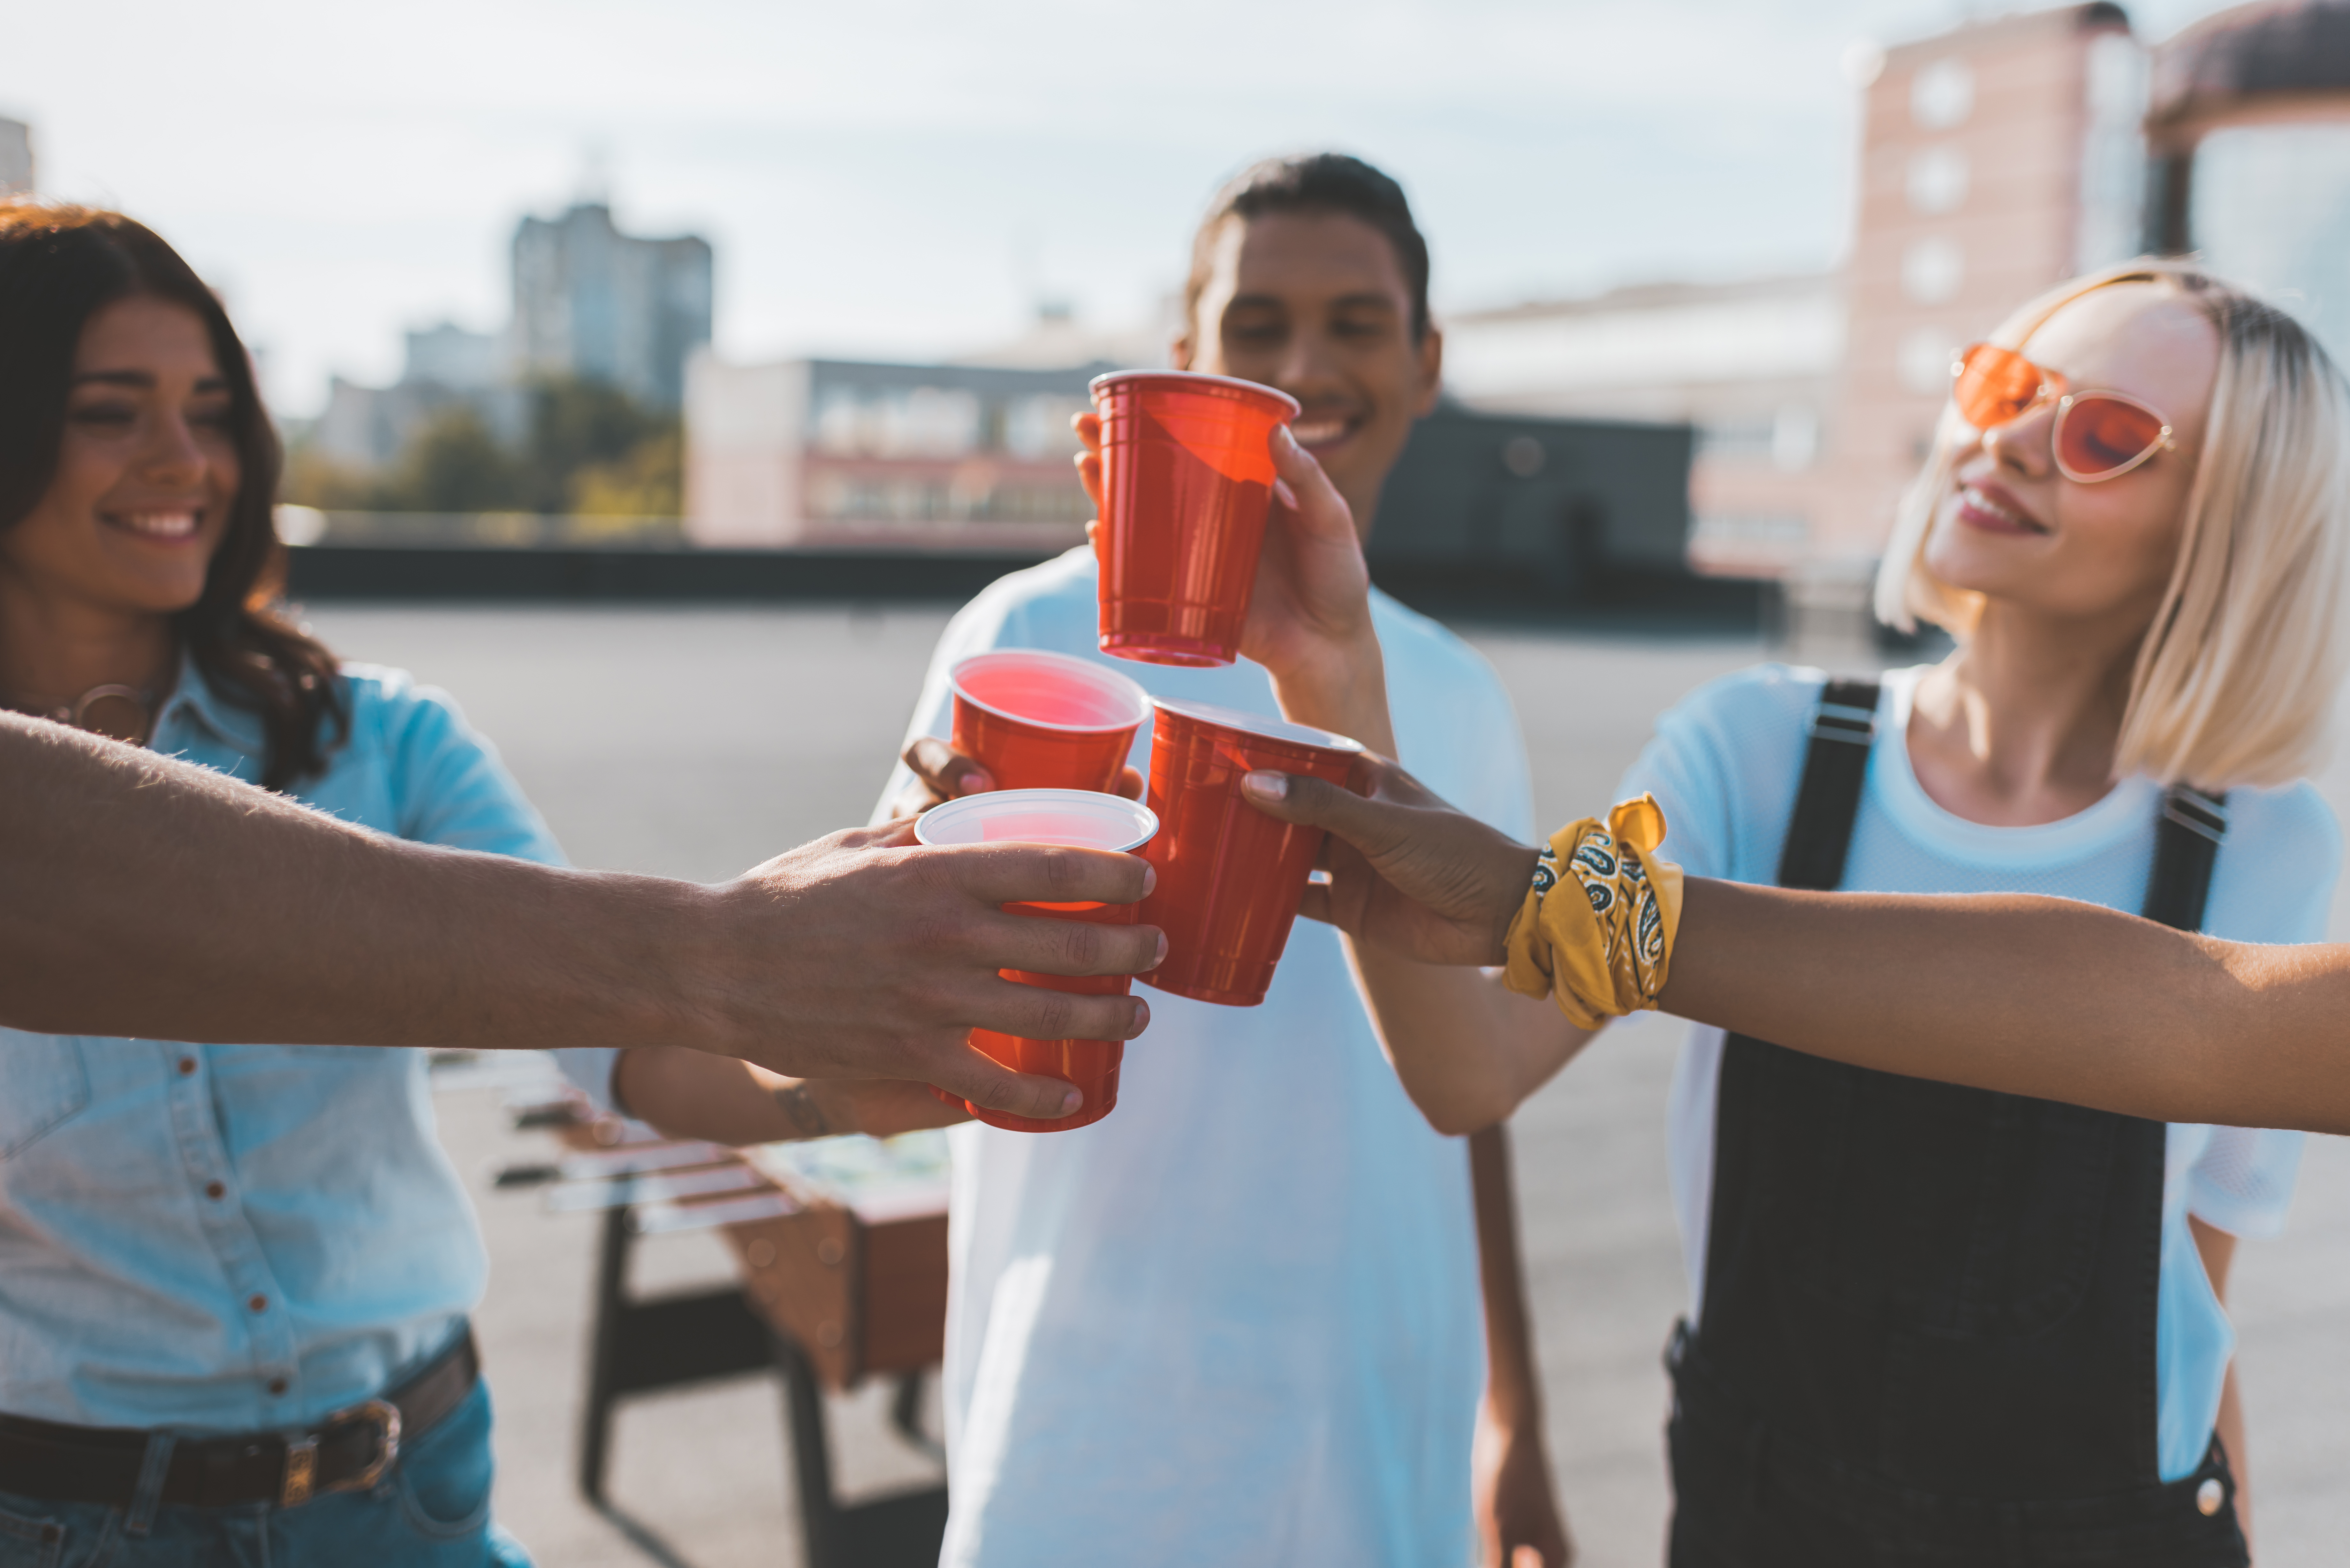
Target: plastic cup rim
1140,817
1127,685
1093,388
1260,726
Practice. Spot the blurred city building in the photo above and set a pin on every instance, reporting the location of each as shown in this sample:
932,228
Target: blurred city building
589,302
592,302
16,158
1752,365
1996,160
836,453
2249,126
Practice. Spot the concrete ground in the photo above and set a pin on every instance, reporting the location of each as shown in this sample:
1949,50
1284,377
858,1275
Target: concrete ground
693,742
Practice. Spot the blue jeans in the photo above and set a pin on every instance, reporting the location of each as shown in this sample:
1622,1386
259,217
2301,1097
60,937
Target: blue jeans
431,1509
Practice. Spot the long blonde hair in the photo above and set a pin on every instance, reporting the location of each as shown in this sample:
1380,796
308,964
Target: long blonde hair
2236,679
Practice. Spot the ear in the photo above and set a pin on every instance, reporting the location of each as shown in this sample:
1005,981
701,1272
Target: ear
1431,369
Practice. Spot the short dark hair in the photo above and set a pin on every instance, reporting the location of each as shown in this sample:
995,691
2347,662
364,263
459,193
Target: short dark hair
60,266
1315,183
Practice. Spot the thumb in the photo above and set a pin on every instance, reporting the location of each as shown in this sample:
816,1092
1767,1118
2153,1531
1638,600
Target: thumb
1318,512
1370,825
967,1075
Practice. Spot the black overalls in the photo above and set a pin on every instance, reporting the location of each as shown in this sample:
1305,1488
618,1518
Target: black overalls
1928,1327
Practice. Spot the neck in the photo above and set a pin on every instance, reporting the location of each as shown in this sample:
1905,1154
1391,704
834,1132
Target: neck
2020,725
52,649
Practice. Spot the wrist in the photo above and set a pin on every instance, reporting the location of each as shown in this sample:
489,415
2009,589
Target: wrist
647,962
1340,686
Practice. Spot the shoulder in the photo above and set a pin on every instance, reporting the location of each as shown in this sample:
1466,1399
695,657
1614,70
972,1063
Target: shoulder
388,706
1061,586
1746,703
2293,820
1419,648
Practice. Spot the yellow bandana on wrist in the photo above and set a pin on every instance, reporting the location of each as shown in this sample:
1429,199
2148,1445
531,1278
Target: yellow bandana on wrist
1606,952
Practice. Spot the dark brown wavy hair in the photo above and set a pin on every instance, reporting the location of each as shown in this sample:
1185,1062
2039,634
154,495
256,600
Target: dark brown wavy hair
60,266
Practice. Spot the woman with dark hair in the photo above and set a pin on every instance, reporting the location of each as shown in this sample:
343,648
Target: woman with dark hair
235,1279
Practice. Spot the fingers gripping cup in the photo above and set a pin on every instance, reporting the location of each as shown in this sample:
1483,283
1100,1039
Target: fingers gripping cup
1088,821
1187,479
1045,721
1230,877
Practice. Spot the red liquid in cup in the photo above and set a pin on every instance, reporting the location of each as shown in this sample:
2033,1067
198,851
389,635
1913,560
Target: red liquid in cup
1050,816
1187,479
1230,877
1045,721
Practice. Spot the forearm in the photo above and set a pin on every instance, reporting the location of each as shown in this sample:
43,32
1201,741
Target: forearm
1512,1386
1468,1050
186,905
692,1094
2043,997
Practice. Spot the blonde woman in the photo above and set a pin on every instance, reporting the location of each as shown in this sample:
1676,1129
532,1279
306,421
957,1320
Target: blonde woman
1941,1324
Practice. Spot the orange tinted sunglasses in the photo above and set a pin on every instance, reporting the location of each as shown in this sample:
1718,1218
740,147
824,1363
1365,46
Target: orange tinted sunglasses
2098,435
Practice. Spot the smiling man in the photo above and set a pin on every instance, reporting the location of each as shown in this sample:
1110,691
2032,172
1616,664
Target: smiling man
1212,1329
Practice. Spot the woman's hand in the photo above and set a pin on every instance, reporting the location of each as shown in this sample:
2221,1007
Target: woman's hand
1409,874
1309,621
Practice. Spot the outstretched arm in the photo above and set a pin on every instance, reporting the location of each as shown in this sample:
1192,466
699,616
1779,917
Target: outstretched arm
141,896
2035,996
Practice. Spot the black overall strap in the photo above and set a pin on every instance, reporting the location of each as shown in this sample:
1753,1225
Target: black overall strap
1828,801
2186,844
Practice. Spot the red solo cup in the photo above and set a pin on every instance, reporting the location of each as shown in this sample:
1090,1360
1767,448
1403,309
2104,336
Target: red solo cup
1230,877
1089,821
1187,478
1045,721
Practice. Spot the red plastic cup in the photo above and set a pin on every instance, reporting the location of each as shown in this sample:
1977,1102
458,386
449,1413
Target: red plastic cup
1089,821
1230,877
1045,721
1187,479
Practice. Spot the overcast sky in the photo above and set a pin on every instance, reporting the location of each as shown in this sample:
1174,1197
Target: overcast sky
903,180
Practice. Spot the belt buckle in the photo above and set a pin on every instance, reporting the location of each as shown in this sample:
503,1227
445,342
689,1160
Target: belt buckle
302,1457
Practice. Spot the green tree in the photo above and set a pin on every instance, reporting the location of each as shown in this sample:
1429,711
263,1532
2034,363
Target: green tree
578,424
455,465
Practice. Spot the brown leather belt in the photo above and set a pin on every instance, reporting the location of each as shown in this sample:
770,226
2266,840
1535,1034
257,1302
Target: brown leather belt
348,1450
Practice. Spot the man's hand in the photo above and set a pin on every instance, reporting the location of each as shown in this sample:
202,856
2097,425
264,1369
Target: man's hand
941,774
1518,1522
1409,874
1309,621
863,955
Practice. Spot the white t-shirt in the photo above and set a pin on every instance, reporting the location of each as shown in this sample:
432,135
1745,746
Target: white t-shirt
1236,1321
1725,764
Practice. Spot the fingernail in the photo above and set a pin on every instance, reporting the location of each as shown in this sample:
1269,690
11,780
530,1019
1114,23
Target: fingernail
973,783
1073,1101
1288,442
1283,493
1149,877
1161,956
1266,785
1141,1016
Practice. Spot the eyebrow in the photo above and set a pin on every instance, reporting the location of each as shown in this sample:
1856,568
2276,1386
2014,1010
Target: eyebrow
1365,299
143,379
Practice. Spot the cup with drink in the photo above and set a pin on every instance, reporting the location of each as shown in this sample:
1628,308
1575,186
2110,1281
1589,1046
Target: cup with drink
1086,820
1045,721
1187,481
1230,877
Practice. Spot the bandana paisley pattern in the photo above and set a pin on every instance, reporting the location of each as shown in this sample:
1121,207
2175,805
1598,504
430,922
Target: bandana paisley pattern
1607,953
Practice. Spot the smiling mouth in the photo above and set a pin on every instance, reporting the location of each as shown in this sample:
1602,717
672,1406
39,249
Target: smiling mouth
1988,512
168,524
1327,432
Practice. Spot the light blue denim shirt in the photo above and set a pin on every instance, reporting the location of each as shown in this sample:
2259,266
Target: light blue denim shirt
228,1238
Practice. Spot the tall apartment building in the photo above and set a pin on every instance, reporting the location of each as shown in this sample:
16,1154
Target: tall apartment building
1996,160
16,156
591,301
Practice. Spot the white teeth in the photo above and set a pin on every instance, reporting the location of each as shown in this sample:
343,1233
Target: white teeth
1308,434
1983,502
160,525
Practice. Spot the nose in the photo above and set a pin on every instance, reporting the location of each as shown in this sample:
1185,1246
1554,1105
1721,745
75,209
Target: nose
1307,365
2026,444
171,454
